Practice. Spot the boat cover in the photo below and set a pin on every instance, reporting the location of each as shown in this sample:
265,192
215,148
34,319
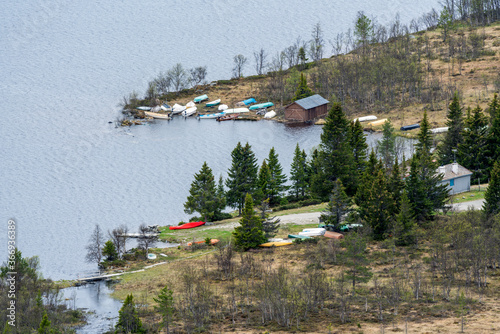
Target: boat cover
187,225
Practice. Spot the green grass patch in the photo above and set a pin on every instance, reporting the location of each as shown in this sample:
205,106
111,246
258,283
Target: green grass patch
468,196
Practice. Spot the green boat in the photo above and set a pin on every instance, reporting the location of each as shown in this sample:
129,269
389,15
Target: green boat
213,103
295,236
200,98
261,106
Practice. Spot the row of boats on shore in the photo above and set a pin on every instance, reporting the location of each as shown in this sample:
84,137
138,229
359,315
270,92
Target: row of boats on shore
224,113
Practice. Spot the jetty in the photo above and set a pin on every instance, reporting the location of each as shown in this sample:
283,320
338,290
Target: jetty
140,235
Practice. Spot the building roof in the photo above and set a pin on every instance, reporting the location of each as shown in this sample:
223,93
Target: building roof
312,101
452,173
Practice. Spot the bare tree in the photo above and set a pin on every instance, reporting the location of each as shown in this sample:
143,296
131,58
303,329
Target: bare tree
260,61
119,238
178,77
95,245
146,238
239,62
317,43
198,75
163,83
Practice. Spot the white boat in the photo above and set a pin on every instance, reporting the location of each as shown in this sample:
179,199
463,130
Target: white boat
439,130
236,111
157,115
210,116
189,111
270,114
365,118
222,107
166,107
177,109
144,108
155,109
190,104
311,233
151,256
314,229
213,103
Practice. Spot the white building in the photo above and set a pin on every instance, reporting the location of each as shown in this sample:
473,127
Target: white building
455,177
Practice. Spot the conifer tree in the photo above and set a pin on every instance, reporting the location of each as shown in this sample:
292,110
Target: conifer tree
453,137
263,182
203,195
278,179
493,149
242,176
358,145
271,225
366,179
298,172
386,147
335,157
220,199
471,153
355,259
396,185
339,205
165,306
44,327
424,137
404,231
128,318
491,204
109,251
303,90
250,233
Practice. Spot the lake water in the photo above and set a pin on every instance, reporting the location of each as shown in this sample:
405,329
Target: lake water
64,68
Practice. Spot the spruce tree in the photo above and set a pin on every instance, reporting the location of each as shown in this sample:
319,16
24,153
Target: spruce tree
396,185
355,259
263,183
404,230
338,207
220,195
165,307
298,172
491,204
493,148
367,178
109,251
303,90
453,137
386,147
128,318
278,179
44,327
471,153
358,145
203,195
271,225
335,157
424,137
250,233
242,176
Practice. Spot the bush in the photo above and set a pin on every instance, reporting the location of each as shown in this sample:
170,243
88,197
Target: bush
222,216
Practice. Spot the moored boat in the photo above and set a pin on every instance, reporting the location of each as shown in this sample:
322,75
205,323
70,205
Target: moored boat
236,110
177,109
210,116
213,103
144,108
227,117
410,127
157,115
189,111
270,114
261,106
200,98
166,107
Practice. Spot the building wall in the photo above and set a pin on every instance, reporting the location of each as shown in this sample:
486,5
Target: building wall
294,112
461,184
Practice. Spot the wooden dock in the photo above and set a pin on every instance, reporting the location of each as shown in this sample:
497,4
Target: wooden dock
140,235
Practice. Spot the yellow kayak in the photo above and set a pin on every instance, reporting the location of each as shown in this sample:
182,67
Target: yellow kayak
276,244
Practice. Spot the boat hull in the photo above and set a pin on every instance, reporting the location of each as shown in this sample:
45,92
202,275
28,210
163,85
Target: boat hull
157,115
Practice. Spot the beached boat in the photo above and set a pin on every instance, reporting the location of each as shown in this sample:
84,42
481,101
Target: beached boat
276,244
144,108
212,242
296,236
227,117
249,101
157,115
222,107
365,118
410,127
261,106
187,225
211,116
313,232
190,104
439,130
213,103
189,111
270,114
236,111
166,107
151,256
200,98
155,109
177,109
376,123
333,235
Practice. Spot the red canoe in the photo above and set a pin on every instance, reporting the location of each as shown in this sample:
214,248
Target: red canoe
187,225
